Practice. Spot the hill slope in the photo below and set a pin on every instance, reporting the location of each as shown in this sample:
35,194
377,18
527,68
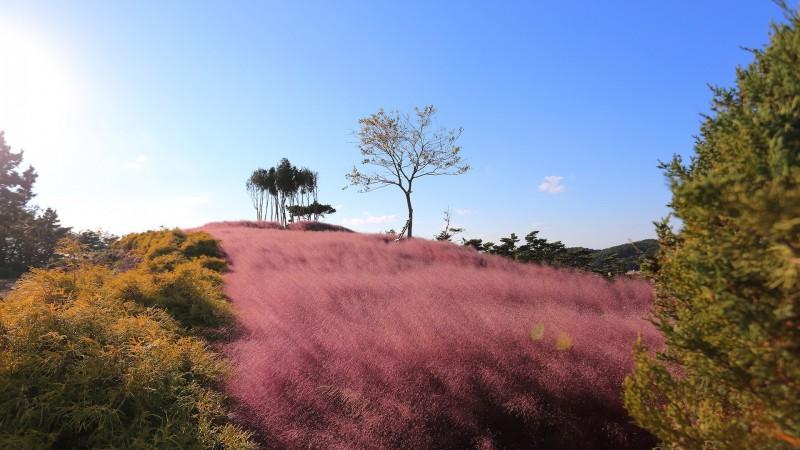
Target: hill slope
352,341
628,254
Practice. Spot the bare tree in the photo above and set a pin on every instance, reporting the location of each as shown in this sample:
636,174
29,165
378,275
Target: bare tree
401,149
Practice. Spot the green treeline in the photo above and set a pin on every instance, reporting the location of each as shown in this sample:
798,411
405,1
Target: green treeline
608,262
28,236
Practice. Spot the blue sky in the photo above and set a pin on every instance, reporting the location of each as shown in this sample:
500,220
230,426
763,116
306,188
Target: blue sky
141,114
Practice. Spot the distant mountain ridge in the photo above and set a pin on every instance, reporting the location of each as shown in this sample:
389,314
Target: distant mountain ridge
627,255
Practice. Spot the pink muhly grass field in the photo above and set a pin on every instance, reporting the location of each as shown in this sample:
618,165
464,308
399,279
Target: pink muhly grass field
353,341
296,226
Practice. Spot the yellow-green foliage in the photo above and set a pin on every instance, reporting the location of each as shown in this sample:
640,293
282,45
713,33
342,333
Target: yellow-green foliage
178,271
152,244
727,282
85,363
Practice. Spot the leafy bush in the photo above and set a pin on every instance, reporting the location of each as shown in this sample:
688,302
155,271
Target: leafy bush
82,366
179,272
151,244
727,283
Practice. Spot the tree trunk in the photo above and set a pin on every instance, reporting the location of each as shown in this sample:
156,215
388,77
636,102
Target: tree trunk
410,214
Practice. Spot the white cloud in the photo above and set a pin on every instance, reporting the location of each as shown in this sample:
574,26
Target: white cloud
465,211
552,184
137,163
371,220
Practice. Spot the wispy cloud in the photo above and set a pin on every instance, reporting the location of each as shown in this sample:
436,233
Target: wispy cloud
137,163
371,220
552,184
465,211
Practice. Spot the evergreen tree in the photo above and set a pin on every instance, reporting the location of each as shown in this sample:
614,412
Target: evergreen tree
477,244
577,258
609,266
41,238
448,231
488,247
538,250
16,190
507,246
96,240
27,238
728,282
315,210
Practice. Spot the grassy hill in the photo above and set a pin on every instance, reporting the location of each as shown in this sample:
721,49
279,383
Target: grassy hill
628,256
348,340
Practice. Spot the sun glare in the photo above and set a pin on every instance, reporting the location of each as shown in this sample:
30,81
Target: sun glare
38,99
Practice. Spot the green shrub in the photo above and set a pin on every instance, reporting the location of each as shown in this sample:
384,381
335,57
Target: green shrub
85,363
727,282
190,292
152,244
179,272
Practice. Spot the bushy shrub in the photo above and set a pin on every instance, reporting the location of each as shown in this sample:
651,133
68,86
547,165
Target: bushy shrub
83,366
178,271
152,244
727,282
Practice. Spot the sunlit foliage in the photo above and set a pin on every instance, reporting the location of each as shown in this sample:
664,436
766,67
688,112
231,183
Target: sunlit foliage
28,236
86,363
728,288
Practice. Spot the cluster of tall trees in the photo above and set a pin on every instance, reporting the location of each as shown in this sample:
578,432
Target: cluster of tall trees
28,235
285,192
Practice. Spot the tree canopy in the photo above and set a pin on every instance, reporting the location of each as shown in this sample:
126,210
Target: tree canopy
728,281
28,235
398,150
284,192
